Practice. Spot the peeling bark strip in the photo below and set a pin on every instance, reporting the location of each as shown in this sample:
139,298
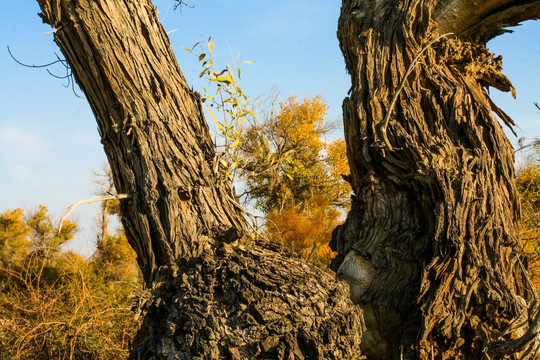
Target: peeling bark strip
208,296
435,208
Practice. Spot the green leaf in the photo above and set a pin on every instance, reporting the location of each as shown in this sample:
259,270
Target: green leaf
287,153
203,72
223,79
194,46
247,112
221,72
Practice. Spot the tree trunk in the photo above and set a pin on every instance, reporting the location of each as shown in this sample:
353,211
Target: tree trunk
430,246
212,292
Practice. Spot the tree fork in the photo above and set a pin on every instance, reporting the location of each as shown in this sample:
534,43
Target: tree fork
211,292
433,225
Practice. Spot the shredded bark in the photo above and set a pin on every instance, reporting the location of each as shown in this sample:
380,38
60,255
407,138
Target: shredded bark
436,209
248,302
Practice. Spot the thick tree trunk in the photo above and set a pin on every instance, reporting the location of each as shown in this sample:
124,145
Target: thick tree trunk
430,246
212,291
153,132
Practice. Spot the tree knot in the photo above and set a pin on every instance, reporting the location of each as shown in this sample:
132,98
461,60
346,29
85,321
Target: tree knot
229,235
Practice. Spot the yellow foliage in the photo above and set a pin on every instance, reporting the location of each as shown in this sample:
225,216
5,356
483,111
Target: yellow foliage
528,185
14,242
115,259
338,167
53,303
302,123
287,161
306,232
45,233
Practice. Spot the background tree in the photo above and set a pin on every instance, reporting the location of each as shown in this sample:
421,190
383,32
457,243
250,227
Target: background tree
114,258
432,240
295,175
45,237
14,244
53,303
528,186
104,184
287,159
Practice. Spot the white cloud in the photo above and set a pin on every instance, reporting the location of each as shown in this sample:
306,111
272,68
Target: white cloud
24,174
20,145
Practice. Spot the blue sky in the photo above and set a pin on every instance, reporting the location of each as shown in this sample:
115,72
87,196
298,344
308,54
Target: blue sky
48,138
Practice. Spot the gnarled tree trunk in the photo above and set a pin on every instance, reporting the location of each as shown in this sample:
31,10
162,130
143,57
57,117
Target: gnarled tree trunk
212,292
430,246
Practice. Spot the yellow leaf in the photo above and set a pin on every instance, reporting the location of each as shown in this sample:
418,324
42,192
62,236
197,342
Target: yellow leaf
215,120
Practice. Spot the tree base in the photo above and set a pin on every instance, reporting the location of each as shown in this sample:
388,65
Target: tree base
248,302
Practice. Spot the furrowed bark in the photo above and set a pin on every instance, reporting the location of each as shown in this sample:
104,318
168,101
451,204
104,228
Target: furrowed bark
152,130
212,292
433,224
253,302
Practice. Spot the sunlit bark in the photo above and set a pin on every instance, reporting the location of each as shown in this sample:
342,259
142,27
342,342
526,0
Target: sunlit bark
433,225
213,291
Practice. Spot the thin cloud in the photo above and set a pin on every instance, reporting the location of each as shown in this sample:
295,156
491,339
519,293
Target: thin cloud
18,144
26,175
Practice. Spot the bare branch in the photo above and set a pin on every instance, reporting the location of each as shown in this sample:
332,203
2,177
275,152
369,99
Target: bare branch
72,207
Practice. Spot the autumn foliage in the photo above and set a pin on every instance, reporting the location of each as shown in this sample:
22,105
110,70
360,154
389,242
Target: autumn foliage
305,231
294,175
528,184
54,304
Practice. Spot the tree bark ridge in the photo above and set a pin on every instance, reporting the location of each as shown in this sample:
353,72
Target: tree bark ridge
436,211
156,139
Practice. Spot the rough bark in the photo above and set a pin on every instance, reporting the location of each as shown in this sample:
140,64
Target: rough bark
151,127
252,302
431,242
212,292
